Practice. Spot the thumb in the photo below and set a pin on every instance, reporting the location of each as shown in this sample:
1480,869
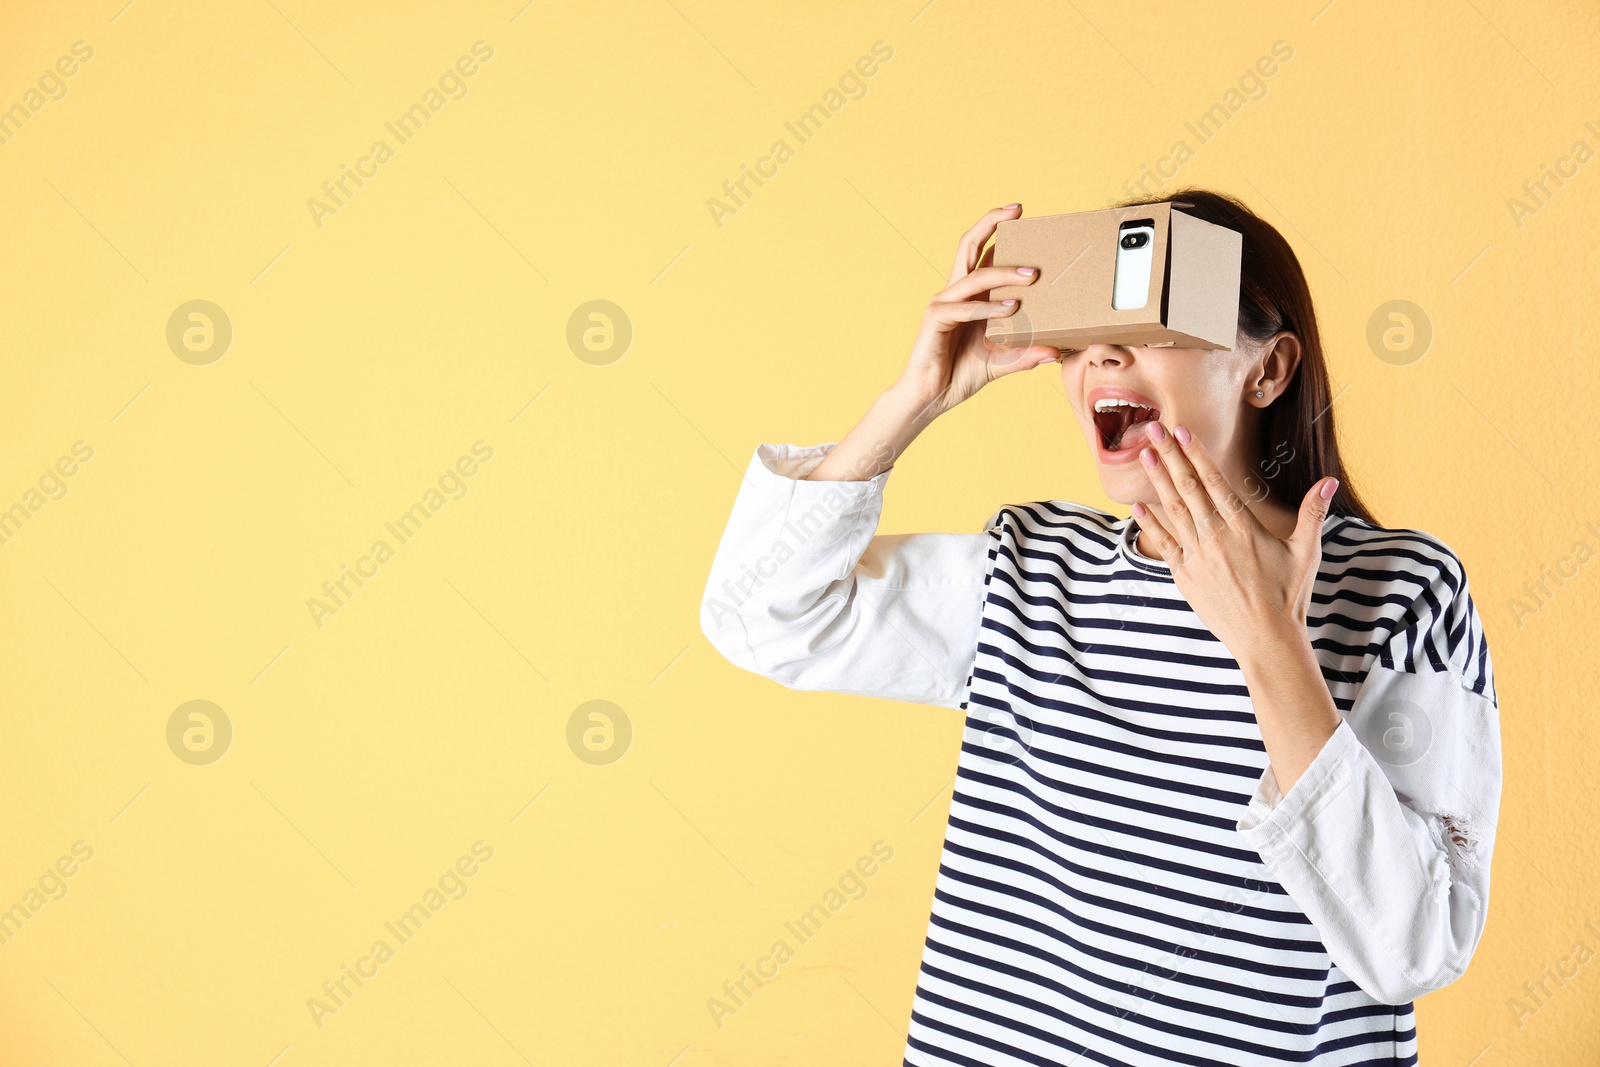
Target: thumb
1012,360
1307,536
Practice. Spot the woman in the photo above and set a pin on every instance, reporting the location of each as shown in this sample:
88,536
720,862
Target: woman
1231,768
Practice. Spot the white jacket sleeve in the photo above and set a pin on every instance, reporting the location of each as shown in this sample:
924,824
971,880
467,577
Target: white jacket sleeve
1385,841
803,591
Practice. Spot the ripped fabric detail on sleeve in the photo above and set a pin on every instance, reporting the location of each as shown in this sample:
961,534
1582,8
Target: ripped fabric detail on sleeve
1456,837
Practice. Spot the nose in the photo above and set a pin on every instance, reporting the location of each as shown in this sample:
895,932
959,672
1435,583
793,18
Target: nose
1101,355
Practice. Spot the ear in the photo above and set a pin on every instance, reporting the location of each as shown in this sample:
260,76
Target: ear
1279,359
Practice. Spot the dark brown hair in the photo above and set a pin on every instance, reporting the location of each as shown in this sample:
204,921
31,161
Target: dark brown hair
1274,297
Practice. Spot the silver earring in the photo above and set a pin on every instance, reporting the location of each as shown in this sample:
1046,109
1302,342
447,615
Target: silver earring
1258,392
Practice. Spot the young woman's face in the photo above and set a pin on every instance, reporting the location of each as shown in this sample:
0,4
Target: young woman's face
1115,391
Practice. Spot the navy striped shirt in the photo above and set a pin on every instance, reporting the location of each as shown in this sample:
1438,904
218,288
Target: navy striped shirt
1095,900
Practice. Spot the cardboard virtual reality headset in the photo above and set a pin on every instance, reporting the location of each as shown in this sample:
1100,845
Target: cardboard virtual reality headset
1148,275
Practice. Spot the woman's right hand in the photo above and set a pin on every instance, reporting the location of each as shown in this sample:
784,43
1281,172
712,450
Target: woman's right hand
951,359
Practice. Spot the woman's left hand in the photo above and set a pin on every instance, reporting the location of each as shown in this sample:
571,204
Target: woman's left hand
1250,587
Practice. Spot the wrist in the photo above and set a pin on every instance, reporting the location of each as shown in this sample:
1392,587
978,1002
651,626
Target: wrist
1273,647
907,405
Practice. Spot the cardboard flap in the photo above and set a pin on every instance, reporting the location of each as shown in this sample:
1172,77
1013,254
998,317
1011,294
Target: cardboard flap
1203,282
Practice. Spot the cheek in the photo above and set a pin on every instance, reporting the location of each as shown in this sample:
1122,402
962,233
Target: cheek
1072,386
1071,377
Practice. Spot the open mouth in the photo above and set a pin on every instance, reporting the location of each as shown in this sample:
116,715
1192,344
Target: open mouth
1121,423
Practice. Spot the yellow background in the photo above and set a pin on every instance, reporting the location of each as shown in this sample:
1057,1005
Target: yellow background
372,351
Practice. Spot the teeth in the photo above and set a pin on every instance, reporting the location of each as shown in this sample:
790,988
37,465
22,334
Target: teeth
1114,402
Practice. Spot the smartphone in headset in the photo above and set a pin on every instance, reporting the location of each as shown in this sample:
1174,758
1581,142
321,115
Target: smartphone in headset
1131,285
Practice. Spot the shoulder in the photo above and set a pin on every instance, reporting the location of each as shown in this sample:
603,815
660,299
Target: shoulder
1397,556
1415,586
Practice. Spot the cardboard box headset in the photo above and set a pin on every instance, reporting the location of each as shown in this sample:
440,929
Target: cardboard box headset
1148,275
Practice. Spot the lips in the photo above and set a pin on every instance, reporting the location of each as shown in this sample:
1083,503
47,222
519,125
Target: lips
1122,426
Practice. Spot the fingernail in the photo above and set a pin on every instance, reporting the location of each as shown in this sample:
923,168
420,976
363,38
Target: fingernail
1149,457
1026,272
1007,303
1158,433
1138,509
1329,488
1183,435
1008,207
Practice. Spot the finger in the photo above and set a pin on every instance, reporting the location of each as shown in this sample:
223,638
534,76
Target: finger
1174,512
1307,536
946,316
972,241
1227,500
1203,513
1165,543
982,279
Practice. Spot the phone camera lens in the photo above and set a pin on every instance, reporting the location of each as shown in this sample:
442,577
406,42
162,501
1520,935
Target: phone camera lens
1135,240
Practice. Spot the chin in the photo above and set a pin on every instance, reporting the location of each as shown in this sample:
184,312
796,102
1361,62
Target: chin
1126,487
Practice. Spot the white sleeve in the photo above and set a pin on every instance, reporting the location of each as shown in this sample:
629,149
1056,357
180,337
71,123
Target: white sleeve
802,591
1385,841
